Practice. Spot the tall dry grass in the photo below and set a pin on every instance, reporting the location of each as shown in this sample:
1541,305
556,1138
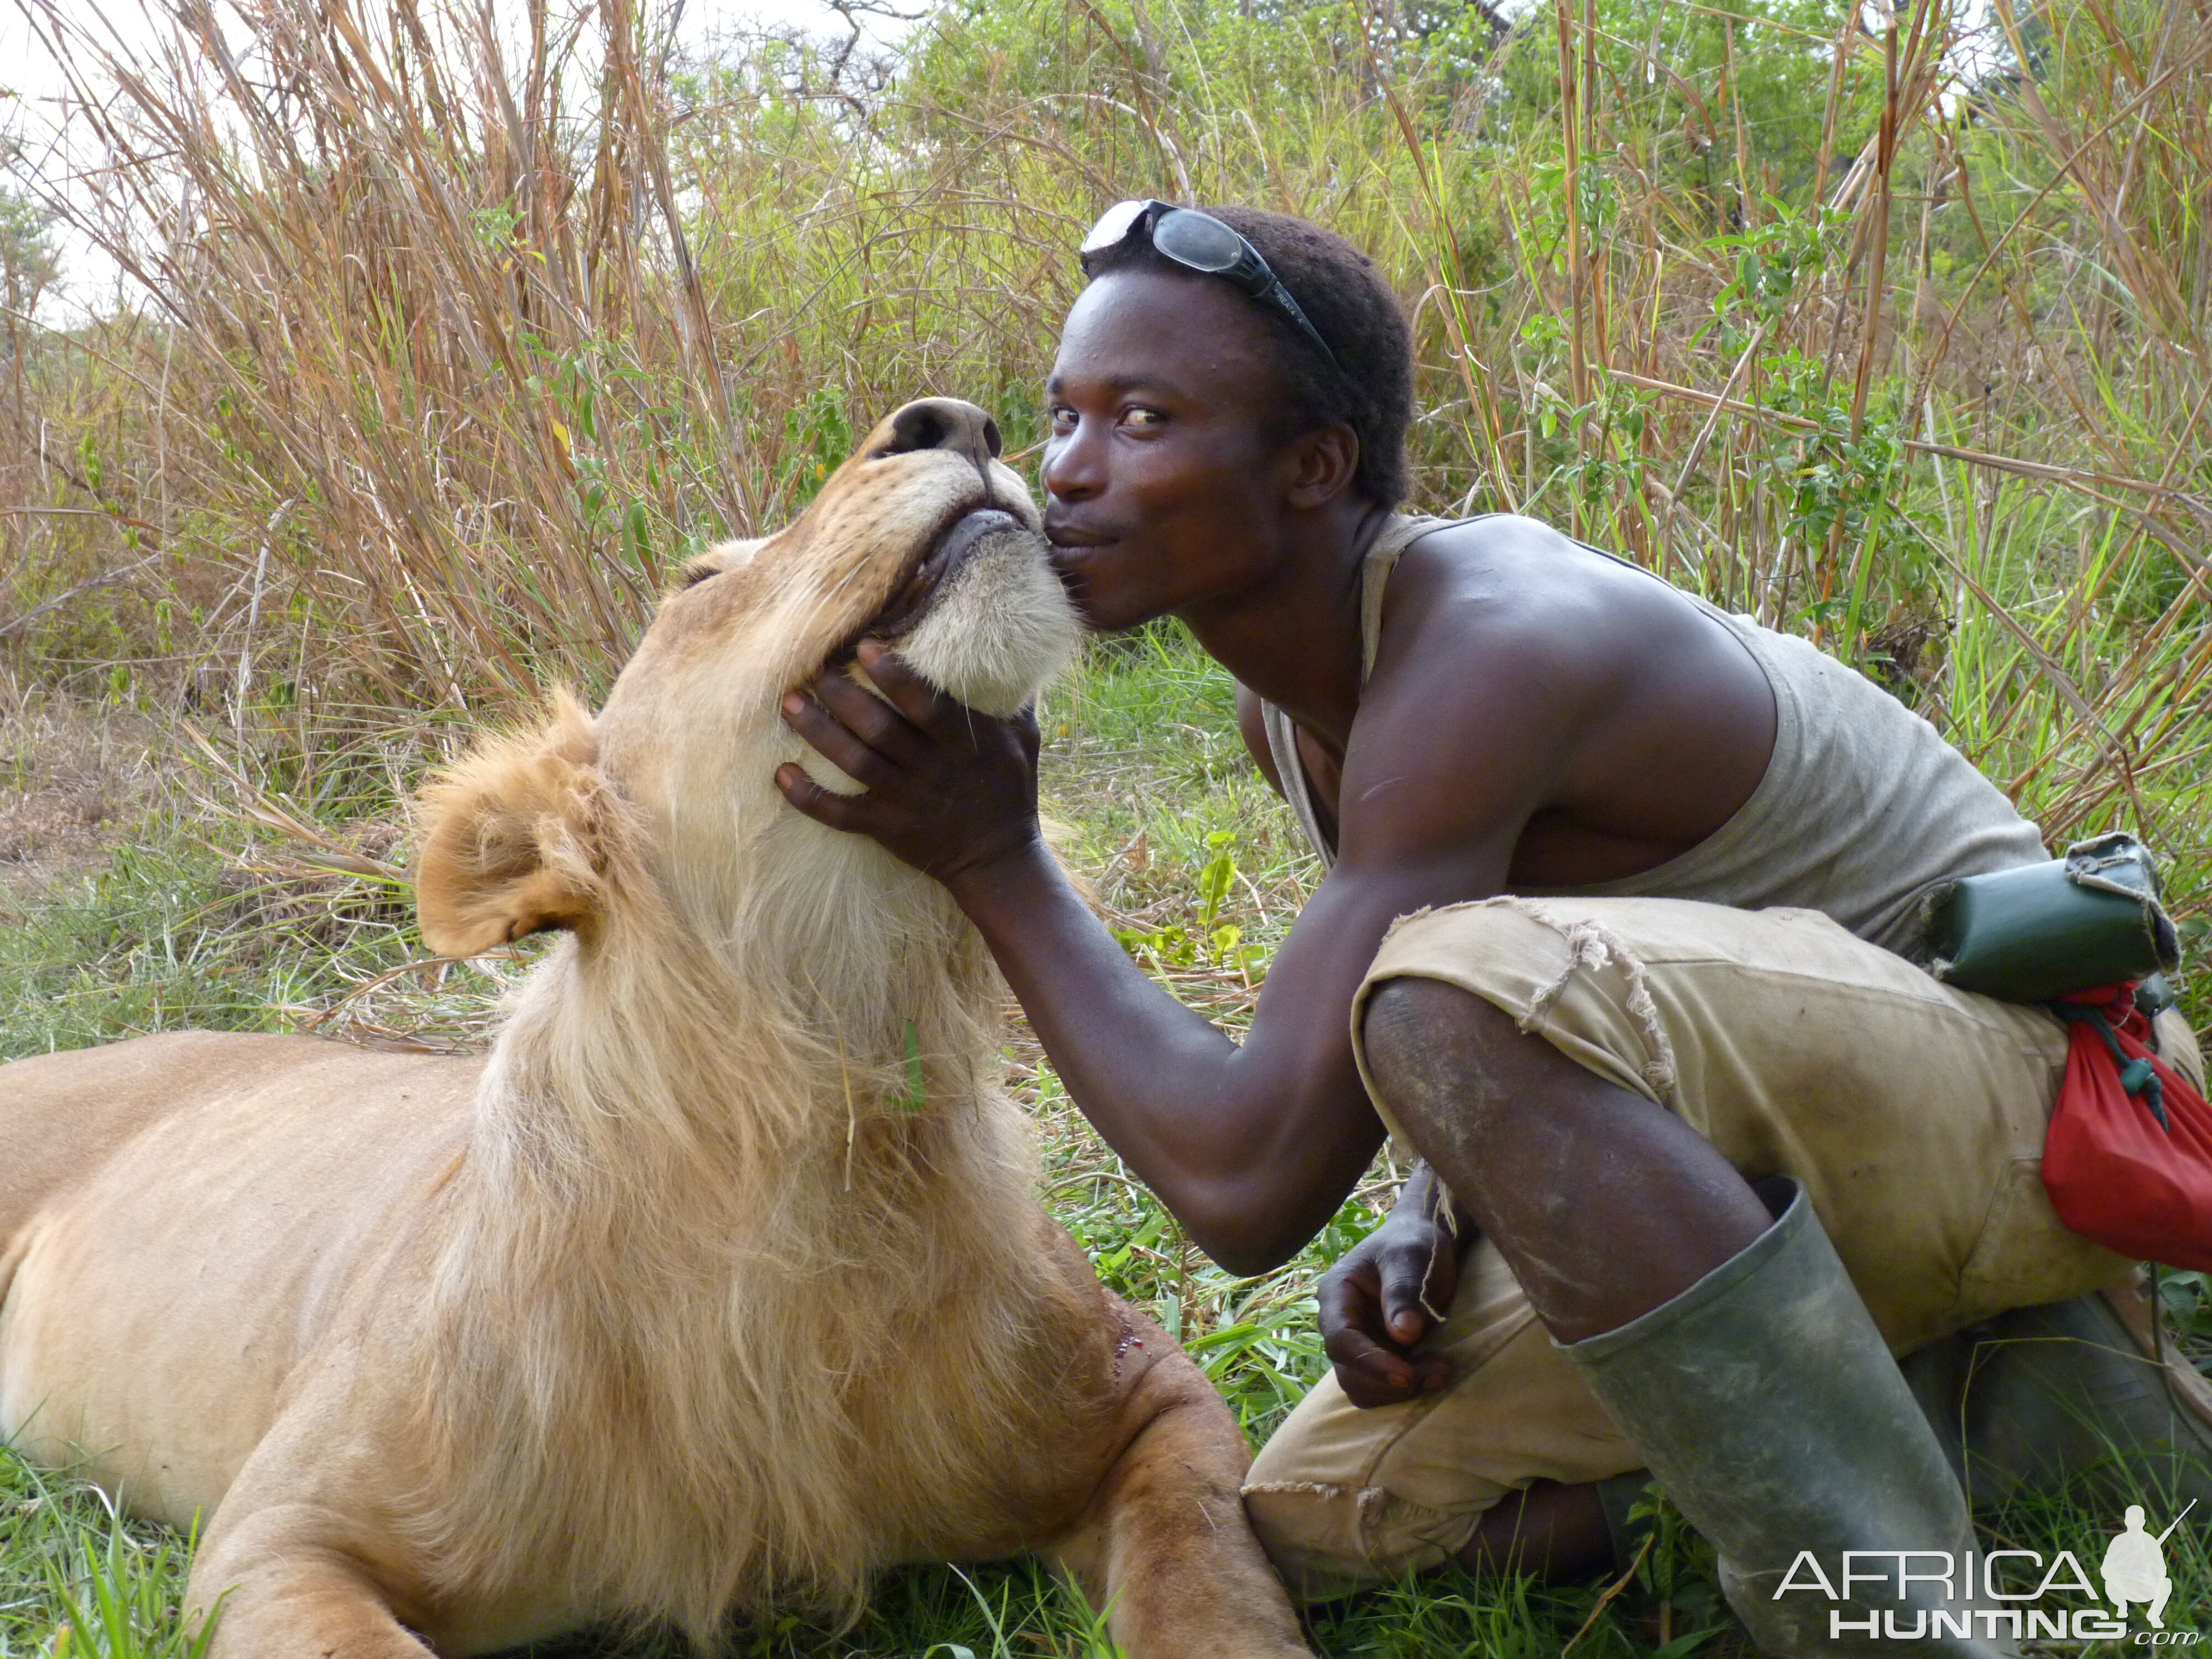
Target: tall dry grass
463,327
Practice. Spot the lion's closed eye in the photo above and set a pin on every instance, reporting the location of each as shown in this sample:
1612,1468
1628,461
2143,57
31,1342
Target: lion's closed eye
715,561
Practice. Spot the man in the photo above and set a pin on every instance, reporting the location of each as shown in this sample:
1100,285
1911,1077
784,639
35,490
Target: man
1580,787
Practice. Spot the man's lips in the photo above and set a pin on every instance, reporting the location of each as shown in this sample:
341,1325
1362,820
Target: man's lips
1075,537
1071,556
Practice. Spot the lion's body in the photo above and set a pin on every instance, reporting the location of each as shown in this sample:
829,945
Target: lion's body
686,1298
302,1229
247,1183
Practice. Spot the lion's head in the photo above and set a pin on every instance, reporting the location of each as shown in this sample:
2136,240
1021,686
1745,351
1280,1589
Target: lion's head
759,1064
924,538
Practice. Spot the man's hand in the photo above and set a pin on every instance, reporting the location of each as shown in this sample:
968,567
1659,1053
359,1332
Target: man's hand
1375,1302
950,790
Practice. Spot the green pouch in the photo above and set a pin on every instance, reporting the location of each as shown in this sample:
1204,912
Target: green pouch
2044,930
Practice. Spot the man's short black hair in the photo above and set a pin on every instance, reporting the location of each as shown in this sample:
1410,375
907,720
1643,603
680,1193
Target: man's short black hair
1344,294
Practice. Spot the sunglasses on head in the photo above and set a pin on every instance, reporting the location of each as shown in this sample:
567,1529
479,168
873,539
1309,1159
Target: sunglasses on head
1198,241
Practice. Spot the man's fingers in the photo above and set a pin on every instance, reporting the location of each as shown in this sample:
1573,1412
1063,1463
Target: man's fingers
1351,1334
1432,1373
1403,1269
907,692
1345,1298
1369,1373
1372,1374
1376,1376
869,718
1362,1304
835,741
822,805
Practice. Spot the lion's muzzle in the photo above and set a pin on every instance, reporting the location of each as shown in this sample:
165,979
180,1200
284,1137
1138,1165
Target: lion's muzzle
933,575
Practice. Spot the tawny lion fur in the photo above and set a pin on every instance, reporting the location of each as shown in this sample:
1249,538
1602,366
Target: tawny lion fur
681,1301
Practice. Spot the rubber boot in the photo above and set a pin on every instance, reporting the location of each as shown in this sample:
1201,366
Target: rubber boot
2076,1396
1771,1411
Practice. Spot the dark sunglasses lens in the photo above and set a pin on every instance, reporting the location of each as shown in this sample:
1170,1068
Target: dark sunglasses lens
1113,225
1198,240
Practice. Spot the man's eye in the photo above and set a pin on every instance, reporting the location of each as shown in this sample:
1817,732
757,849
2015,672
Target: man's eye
1143,419
1061,416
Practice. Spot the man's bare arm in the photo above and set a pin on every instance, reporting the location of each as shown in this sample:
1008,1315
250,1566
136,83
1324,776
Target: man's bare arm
1253,1147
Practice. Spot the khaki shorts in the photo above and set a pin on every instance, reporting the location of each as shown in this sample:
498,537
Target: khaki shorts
1913,1113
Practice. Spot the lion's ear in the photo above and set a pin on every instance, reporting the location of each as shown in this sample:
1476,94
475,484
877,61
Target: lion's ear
518,837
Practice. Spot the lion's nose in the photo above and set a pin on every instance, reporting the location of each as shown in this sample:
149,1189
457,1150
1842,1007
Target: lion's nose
938,423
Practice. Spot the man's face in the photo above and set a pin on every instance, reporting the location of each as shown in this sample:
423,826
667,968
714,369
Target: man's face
1161,463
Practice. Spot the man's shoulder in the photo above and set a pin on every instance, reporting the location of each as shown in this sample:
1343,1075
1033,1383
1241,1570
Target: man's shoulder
1498,661
1521,568
1485,534
1503,596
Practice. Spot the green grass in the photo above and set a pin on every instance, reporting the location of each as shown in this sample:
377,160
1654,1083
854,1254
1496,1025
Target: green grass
68,1557
68,1561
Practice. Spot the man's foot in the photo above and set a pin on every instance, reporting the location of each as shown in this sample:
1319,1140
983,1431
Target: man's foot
1774,1416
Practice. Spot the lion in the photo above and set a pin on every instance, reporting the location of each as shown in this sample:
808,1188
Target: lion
718,1284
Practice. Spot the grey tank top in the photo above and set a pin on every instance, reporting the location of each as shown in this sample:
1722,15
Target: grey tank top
1862,809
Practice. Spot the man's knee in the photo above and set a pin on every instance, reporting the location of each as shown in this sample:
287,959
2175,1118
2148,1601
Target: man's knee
1433,1050
1418,1016
1453,1066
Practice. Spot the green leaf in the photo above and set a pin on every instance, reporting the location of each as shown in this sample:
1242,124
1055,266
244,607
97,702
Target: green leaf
917,1091
1682,1646
1214,879
1227,1336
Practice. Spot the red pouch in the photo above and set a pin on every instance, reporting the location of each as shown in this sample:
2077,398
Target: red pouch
2128,1158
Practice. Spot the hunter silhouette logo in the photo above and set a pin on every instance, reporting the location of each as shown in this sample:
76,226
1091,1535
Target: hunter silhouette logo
2134,1567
